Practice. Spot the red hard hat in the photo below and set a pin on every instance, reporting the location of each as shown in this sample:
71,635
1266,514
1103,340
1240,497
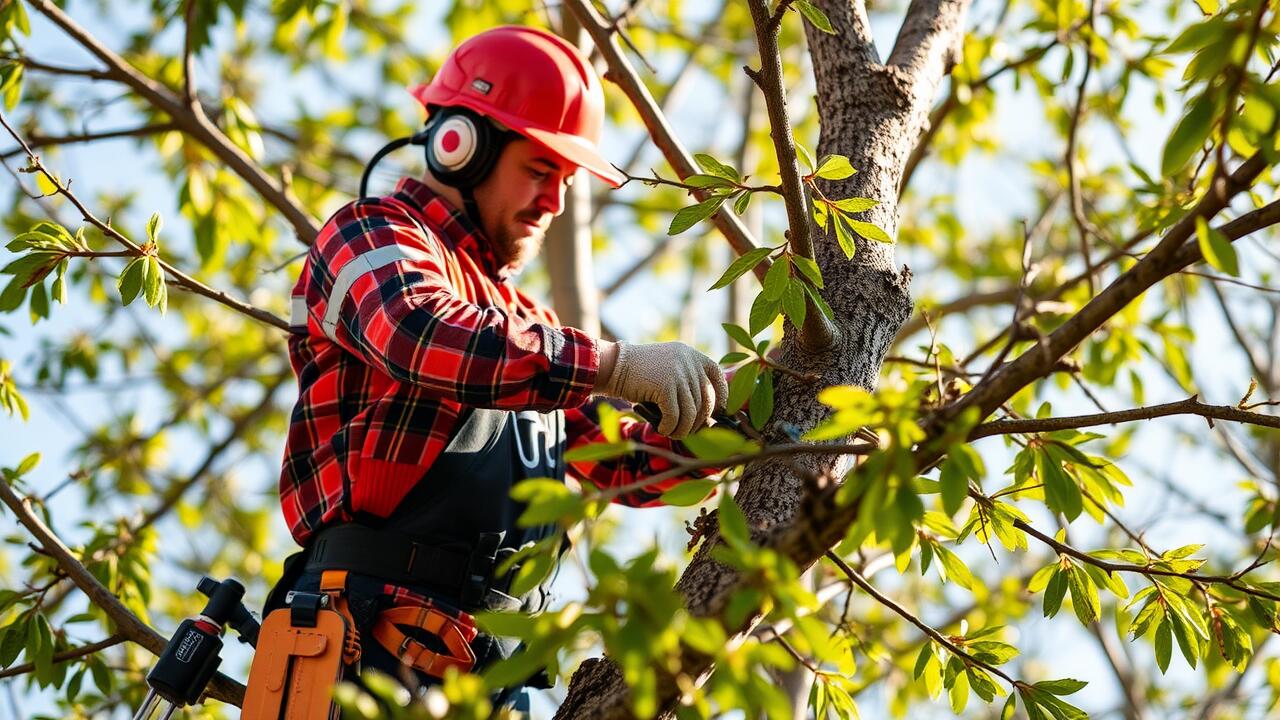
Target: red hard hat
533,82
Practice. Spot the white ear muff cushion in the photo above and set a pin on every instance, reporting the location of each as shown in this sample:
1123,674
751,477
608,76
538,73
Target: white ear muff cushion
455,142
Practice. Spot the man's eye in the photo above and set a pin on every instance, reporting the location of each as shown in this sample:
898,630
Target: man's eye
539,175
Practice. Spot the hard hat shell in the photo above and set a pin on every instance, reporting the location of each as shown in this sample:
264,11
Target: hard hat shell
534,83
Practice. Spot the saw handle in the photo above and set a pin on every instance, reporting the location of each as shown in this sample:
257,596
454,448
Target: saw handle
652,414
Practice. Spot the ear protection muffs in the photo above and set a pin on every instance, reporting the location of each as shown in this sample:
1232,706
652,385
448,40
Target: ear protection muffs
462,146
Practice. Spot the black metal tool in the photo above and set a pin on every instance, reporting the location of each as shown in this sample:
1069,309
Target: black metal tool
652,414
191,658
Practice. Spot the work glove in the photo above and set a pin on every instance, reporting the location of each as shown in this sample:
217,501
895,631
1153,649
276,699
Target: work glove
686,385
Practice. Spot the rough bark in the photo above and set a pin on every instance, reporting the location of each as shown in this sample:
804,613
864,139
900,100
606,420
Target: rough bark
871,113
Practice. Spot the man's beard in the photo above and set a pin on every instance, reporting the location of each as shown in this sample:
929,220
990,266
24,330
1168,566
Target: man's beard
516,252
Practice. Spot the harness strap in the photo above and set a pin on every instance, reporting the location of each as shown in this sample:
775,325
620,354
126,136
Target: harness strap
334,584
455,633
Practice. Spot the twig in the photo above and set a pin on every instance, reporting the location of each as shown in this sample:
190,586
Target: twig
936,636
818,333
1190,406
624,75
188,57
191,119
65,655
1083,225
39,141
181,278
128,624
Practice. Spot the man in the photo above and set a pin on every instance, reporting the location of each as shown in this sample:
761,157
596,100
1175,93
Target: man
429,384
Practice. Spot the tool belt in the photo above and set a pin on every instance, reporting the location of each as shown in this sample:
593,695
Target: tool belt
462,576
304,648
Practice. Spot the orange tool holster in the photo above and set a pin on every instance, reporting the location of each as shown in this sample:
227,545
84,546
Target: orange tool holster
301,654
304,649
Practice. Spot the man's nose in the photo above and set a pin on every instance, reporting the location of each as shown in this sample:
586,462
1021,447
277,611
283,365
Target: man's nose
551,199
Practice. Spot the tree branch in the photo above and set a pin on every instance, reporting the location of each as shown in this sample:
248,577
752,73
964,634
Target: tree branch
818,333
936,636
38,141
182,279
1190,406
191,119
65,655
926,48
624,75
221,687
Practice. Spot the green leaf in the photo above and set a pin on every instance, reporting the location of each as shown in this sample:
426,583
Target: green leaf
740,266
712,166
694,214
955,567
733,358
1188,136
925,657
805,156
809,269
1188,641
546,501
775,281
1084,595
870,231
717,443
1062,494
835,167
856,204
793,302
154,288
1217,249
733,524
738,335
844,238
708,181
761,404
533,570
741,386
130,281
819,301
763,312
955,486
814,15
1164,645
599,451
1054,592
692,492
1064,686
742,201
28,464
153,226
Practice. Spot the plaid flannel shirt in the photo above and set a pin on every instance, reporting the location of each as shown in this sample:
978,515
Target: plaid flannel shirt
402,316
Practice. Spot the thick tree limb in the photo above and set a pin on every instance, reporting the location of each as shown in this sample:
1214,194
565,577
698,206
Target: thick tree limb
220,688
624,75
927,45
190,118
1168,257
1190,406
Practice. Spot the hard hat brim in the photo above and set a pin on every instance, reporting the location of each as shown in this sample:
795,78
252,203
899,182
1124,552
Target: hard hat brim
577,151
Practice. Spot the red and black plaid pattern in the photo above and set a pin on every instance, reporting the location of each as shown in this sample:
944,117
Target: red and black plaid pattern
407,319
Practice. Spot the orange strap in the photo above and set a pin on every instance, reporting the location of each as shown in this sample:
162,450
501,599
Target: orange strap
455,633
334,584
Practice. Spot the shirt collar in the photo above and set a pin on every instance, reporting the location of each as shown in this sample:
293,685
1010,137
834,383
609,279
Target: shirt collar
454,224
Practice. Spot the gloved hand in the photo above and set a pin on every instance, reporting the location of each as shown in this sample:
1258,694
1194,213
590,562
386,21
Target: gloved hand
685,384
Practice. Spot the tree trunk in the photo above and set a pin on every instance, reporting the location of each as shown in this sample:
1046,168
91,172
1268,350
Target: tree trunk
873,113
568,246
